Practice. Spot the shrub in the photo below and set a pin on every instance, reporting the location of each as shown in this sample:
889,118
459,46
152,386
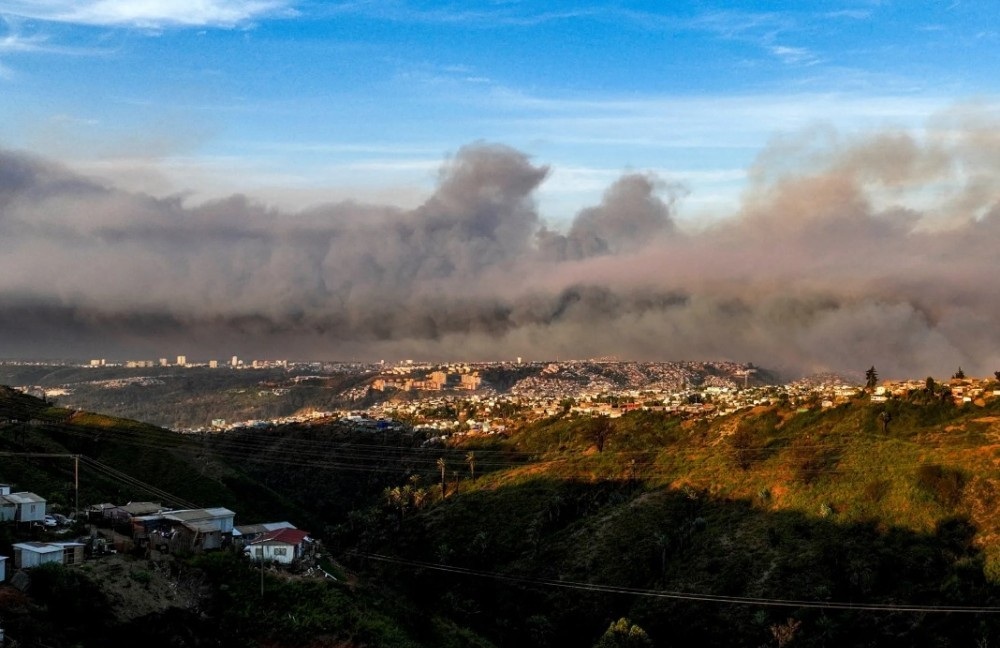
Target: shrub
943,485
141,576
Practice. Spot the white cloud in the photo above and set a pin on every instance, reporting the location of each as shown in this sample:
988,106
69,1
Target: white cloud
147,13
16,43
794,55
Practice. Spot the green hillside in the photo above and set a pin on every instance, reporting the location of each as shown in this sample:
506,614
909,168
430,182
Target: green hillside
173,465
863,524
824,508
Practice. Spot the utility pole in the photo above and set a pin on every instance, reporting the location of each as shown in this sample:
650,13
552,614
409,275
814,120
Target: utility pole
76,488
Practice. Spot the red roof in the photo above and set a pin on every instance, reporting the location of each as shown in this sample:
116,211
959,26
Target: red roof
287,536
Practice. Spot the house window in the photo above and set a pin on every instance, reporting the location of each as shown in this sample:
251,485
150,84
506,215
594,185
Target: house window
280,551
259,552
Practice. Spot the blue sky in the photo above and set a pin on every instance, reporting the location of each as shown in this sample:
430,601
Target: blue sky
297,103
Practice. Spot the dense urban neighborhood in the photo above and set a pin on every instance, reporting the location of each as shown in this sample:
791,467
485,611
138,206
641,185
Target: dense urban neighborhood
417,481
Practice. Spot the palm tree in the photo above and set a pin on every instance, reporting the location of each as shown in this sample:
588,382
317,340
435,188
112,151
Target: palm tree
442,466
470,459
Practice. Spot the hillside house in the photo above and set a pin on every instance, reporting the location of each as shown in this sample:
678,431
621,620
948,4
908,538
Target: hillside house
199,529
34,554
244,534
282,546
123,515
27,507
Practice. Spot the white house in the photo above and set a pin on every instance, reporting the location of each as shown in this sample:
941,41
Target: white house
34,554
28,507
283,546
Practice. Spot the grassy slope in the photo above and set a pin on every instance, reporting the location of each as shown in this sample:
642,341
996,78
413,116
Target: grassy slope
814,506
293,612
163,459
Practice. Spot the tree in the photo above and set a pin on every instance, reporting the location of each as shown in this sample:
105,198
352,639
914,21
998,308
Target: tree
601,428
996,374
960,375
929,385
871,378
442,466
470,459
885,417
624,634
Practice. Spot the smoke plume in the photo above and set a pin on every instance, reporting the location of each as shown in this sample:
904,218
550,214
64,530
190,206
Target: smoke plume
845,252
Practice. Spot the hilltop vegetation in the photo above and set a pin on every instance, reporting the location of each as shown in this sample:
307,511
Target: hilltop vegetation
550,536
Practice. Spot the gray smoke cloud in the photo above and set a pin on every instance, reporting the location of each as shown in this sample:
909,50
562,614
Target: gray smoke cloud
845,252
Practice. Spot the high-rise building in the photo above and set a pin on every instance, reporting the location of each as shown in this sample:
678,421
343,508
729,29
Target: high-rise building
213,364
235,362
182,361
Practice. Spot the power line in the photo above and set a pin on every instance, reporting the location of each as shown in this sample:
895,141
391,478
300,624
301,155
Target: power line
682,596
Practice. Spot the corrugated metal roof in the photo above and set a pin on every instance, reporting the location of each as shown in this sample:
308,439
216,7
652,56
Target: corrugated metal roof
142,508
284,536
202,527
249,529
253,529
186,515
274,526
38,547
24,498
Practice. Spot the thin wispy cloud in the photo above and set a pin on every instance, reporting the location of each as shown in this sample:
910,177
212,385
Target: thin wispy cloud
794,55
509,15
149,13
17,43
853,14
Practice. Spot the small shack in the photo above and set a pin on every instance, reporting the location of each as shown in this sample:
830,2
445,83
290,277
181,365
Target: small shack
122,515
199,529
72,552
28,507
35,554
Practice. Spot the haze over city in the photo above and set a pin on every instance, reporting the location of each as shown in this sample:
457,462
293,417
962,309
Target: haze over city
808,189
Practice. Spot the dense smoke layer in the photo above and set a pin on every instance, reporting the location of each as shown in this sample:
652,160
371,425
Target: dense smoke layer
845,253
